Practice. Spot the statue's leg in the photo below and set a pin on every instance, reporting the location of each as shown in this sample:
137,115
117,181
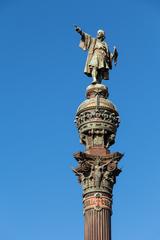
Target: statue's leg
94,75
105,73
99,77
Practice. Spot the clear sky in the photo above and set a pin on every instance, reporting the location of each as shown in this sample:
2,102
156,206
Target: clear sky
41,85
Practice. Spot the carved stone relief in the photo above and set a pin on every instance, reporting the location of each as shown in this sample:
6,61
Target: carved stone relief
98,174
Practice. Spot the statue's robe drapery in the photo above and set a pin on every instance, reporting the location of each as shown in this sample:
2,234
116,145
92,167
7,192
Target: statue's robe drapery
98,54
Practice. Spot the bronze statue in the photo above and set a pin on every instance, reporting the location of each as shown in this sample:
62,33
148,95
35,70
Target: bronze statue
99,59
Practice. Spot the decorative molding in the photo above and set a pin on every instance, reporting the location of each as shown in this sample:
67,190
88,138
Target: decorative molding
97,202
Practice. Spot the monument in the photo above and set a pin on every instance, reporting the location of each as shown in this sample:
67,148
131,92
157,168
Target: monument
97,120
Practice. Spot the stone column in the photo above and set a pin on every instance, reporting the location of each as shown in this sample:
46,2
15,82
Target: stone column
97,121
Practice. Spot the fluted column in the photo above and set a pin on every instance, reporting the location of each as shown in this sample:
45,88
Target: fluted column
97,225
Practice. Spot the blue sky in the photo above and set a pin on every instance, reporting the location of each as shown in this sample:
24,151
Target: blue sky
41,85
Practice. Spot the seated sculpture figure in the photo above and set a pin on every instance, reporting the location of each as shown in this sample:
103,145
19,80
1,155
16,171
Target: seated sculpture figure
99,59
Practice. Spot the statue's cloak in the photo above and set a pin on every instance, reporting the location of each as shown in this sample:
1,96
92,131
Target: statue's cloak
87,43
98,54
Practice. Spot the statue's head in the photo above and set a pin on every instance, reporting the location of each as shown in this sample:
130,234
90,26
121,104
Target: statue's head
100,34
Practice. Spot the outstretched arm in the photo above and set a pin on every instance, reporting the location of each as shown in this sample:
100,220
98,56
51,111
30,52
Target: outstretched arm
86,39
78,29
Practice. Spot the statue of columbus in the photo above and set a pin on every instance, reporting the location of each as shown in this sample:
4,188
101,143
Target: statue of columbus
99,59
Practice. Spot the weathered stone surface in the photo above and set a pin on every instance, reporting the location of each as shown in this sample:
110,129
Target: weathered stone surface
97,119
97,173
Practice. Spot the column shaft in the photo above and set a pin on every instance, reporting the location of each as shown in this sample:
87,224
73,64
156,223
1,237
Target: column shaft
97,225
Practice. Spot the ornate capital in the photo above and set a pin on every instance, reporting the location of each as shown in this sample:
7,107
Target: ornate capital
97,173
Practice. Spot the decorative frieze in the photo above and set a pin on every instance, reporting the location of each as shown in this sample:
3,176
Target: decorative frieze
98,201
97,119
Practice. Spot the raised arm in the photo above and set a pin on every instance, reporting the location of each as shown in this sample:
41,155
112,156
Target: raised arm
85,40
78,29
